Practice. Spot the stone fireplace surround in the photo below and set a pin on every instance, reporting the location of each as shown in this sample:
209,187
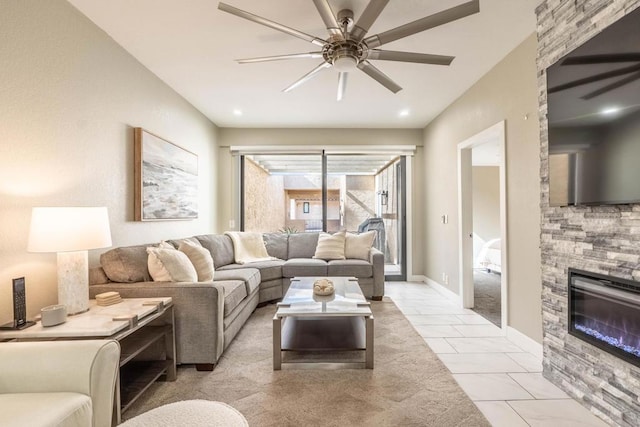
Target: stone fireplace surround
603,239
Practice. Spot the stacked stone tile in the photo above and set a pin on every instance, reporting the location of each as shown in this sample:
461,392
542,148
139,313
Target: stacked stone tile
602,239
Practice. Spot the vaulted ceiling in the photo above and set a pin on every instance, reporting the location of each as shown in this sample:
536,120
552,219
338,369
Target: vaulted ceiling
192,46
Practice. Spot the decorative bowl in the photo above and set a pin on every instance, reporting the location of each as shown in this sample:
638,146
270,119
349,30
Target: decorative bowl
323,287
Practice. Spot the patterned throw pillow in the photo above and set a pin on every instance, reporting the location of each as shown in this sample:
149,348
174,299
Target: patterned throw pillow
358,246
200,258
330,246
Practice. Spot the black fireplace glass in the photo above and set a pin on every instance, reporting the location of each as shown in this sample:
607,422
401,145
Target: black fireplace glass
605,311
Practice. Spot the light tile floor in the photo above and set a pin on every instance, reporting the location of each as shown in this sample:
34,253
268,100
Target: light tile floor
504,381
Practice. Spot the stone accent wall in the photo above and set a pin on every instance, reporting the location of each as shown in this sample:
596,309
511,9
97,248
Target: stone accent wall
264,204
359,200
603,239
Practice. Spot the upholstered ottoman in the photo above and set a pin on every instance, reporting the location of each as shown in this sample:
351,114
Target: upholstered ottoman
192,413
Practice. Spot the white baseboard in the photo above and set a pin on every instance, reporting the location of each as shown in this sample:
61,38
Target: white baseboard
444,291
524,342
417,278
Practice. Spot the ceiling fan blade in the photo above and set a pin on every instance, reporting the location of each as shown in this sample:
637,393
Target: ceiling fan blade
280,57
602,59
267,23
379,76
342,85
311,74
425,23
329,18
420,58
595,78
368,17
633,77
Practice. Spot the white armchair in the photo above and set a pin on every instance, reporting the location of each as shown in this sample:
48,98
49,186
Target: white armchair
58,383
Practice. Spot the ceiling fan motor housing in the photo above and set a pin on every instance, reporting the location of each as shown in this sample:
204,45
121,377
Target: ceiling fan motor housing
344,55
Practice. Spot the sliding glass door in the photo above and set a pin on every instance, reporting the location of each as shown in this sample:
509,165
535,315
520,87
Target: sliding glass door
328,192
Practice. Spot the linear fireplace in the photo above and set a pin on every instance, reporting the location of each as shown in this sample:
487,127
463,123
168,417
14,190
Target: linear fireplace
605,311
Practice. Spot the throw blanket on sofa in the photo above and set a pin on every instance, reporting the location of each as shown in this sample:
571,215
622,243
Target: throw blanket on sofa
248,247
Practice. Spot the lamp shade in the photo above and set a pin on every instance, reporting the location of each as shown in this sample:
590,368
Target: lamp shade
67,229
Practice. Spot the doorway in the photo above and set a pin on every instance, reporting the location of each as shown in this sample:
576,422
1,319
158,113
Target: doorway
482,235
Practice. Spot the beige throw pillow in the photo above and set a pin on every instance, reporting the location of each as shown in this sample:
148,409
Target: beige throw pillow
200,258
330,246
170,265
357,246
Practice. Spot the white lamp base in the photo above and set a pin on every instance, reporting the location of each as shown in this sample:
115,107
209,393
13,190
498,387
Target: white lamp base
73,281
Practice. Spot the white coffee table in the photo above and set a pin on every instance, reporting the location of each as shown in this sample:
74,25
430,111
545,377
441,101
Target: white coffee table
308,323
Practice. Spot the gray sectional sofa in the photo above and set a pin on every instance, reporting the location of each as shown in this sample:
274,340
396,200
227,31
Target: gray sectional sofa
208,315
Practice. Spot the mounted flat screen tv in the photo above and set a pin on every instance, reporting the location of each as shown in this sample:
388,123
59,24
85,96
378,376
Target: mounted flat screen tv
593,96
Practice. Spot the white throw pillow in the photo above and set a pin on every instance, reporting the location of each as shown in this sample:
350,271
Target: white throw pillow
330,246
165,245
200,258
170,265
358,246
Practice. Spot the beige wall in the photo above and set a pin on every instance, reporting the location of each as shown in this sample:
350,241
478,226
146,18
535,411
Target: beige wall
70,99
486,205
322,137
508,92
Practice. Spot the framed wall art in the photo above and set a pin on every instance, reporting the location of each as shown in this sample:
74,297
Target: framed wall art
166,179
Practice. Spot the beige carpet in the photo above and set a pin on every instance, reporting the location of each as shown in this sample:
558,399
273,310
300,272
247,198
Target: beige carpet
408,387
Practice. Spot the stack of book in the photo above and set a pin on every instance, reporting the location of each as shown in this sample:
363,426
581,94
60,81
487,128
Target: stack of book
108,298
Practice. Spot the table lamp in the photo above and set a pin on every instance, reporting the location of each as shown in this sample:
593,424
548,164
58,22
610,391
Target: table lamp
70,231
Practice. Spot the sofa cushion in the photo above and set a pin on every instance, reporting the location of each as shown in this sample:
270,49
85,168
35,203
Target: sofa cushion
220,246
126,264
358,246
302,245
46,409
234,292
250,276
200,258
304,267
97,276
330,246
269,270
350,267
170,265
277,244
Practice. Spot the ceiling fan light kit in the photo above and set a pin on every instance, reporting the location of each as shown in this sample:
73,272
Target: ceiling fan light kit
347,49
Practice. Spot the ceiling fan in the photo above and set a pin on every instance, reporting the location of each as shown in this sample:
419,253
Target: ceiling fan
347,49
631,71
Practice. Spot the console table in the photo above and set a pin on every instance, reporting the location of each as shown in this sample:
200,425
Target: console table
144,327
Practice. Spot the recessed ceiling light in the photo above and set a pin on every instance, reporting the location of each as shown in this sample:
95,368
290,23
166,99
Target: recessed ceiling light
404,113
237,112
610,110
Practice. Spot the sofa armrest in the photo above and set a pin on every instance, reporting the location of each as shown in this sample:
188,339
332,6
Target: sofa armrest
198,312
376,258
89,367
